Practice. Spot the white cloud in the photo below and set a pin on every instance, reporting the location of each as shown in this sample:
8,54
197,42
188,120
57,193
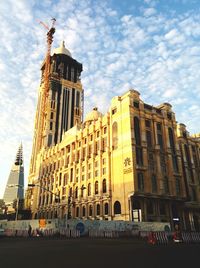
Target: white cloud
154,53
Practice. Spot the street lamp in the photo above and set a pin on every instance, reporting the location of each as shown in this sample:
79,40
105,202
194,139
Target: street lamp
57,197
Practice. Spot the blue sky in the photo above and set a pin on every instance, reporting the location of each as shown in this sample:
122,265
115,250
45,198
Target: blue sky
150,45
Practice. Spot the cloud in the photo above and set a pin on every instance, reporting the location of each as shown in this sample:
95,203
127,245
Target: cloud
154,52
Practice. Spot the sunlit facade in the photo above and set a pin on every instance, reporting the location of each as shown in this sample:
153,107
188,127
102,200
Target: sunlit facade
127,164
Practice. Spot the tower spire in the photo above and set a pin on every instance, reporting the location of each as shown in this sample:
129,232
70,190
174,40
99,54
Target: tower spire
19,156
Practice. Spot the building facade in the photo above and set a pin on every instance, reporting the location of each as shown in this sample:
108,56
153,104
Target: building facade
128,164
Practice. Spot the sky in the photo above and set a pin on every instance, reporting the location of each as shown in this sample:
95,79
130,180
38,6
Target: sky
152,46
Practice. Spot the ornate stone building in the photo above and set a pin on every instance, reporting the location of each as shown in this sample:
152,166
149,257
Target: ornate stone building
129,164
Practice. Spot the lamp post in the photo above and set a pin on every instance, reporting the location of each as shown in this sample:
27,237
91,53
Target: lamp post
57,197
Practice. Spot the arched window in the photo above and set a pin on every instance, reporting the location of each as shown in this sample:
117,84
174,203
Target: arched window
114,135
83,211
77,211
140,181
89,189
90,210
173,149
76,192
96,187
154,183
98,209
117,207
106,209
139,156
104,186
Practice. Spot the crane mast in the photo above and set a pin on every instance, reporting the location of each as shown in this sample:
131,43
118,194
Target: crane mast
45,90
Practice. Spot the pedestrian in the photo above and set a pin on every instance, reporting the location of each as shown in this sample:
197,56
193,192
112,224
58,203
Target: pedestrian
29,230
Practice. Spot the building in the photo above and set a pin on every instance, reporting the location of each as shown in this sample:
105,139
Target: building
14,190
189,147
125,165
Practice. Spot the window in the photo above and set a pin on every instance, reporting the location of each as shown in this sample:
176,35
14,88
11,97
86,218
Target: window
105,130
96,173
90,210
98,209
82,190
139,155
148,123
150,208
104,186
166,185
106,209
83,211
51,115
162,208
114,111
104,144
136,104
178,187
104,170
77,211
140,182
151,162
154,183
76,192
173,150
89,189
148,138
51,125
117,207
96,187
114,135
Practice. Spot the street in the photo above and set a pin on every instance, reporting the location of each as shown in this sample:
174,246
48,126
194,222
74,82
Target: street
88,252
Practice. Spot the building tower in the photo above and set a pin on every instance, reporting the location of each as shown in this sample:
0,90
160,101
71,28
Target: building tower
63,106
15,184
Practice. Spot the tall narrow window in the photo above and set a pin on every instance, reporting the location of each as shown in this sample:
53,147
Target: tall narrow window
90,210
106,209
173,150
149,139
178,186
98,210
104,186
83,211
140,182
114,135
76,192
154,183
166,185
96,187
89,189
139,156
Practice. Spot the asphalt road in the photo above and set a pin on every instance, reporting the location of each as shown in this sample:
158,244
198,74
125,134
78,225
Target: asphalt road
88,252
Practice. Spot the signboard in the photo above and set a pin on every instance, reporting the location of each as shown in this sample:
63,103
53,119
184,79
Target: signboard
42,223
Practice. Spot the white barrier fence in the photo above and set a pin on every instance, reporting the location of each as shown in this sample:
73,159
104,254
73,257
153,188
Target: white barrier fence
159,237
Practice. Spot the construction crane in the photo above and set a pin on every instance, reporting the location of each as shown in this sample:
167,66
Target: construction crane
45,91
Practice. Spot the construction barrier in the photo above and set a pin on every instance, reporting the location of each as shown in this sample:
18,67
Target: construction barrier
161,238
